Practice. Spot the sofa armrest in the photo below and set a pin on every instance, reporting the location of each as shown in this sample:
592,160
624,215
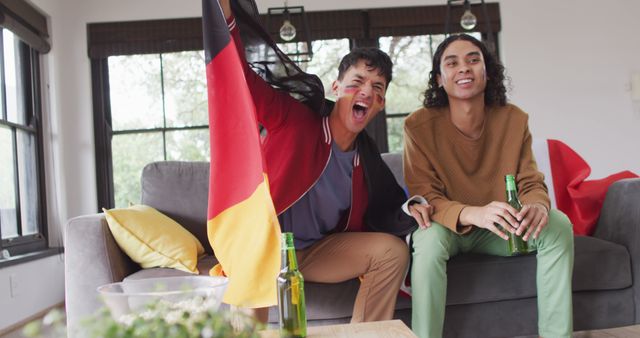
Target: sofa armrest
92,258
619,222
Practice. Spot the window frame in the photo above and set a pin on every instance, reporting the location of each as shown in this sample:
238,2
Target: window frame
31,83
104,131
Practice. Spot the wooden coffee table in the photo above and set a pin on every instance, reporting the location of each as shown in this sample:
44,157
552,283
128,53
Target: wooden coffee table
382,329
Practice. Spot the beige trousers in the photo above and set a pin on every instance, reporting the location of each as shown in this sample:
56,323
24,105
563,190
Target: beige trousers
379,259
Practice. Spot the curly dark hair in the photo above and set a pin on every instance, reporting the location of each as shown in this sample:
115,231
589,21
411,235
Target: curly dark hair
494,93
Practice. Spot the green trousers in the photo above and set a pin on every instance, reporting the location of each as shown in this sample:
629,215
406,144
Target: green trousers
432,248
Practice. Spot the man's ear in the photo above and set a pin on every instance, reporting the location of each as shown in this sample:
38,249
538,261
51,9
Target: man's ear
334,87
439,79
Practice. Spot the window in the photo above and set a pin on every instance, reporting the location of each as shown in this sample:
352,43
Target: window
159,109
22,214
159,113
150,92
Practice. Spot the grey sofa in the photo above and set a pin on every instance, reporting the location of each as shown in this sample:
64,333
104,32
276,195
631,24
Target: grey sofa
487,296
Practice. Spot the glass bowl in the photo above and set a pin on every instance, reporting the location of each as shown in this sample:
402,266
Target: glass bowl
135,295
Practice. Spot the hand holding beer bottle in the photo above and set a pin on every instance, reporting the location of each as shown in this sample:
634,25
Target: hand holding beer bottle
517,246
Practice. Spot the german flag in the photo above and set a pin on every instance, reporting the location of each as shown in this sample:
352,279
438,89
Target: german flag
242,226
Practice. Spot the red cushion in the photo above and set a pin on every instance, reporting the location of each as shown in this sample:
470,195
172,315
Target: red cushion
577,197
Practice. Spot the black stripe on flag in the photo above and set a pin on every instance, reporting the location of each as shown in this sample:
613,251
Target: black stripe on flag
214,29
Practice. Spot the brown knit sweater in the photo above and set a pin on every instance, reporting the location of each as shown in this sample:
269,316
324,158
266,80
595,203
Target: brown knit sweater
452,171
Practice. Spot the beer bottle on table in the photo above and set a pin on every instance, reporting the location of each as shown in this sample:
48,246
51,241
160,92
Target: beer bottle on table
517,246
291,305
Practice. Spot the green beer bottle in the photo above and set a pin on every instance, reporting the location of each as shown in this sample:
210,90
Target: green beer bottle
517,246
291,306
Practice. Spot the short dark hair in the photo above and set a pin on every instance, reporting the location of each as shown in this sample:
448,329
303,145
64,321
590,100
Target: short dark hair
373,57
494,93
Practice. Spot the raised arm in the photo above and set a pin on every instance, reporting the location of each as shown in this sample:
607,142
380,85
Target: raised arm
272,106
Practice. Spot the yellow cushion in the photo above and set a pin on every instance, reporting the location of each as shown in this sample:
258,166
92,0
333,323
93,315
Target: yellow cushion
152,239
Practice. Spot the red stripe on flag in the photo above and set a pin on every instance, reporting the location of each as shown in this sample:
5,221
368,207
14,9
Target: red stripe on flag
242,226
236,157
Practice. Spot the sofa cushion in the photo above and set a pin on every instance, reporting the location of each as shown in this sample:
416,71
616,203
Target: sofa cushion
599,265
180,190
152,239
394,162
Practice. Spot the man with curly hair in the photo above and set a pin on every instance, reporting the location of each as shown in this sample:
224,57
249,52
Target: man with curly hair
458,149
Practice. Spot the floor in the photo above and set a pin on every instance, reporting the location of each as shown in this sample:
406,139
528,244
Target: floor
621,332
47,332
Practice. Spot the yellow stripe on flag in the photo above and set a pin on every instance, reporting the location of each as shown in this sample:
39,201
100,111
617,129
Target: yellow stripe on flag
246,238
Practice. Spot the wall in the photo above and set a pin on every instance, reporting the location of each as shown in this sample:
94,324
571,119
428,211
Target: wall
29,288
571,75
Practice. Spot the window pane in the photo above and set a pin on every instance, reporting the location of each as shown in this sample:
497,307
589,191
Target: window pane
27,173
395,130
296,51
8,216
326,58
136,92
411,57
13,78
188,145
131,152
185,89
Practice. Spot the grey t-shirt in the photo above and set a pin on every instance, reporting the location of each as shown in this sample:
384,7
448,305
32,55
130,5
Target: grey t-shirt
318,211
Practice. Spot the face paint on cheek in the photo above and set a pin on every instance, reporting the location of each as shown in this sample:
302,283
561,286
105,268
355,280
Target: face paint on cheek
344,102
347,96
378,103
350,91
